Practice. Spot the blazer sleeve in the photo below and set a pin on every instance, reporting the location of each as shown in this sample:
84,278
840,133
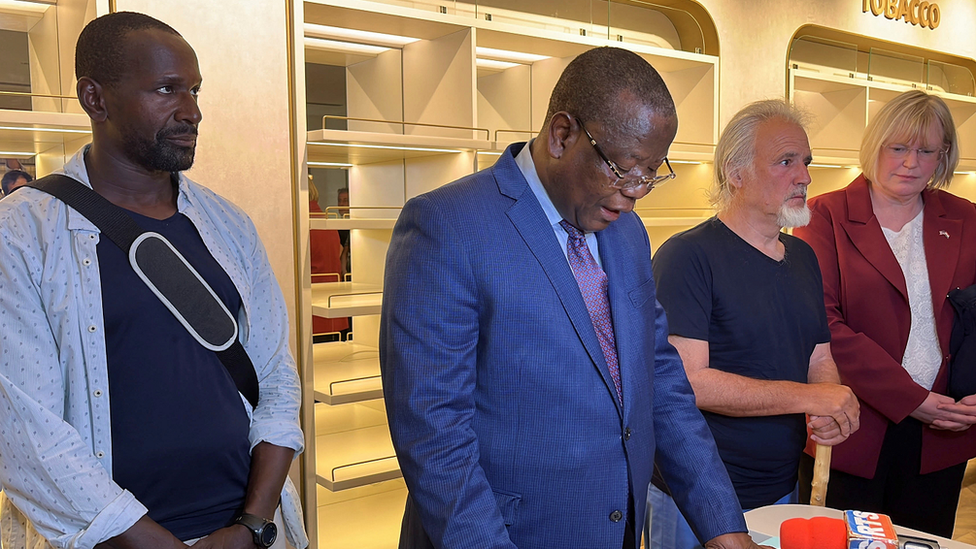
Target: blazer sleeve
867,368
686,454
428,357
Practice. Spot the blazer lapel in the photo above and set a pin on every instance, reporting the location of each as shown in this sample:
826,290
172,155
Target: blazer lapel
616,266
942,237
866,235
530,221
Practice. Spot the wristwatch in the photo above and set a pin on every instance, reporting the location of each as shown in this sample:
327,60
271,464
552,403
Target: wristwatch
264,531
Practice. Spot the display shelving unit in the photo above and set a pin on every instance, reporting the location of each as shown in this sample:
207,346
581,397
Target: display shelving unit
844,96
41,122
434,102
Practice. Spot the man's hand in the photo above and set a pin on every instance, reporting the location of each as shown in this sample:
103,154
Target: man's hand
826,431
738,540
235,536
144,534
839,404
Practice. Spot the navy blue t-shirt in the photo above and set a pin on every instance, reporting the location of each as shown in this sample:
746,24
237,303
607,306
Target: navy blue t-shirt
762,319
179,426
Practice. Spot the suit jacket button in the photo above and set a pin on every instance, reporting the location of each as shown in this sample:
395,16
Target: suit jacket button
616,516
627,433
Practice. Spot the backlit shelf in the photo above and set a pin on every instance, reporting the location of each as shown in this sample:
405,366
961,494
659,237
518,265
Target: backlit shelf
361,147
672,221
342,299
34,132
353,447
346,224
369,519
346,372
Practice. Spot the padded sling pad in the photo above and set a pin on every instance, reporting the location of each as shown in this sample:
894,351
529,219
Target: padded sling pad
184,292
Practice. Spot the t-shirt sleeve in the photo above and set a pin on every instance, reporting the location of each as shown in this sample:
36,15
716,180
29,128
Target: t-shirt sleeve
684,287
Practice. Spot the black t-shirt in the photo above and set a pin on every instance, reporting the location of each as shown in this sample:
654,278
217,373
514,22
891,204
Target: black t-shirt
762,319
179,426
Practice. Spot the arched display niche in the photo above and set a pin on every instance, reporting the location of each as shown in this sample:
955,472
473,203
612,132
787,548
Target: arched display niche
844,79
692,22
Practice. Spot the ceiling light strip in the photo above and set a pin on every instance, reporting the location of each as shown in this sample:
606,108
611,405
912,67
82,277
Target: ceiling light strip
330,165
353,35
53,130
507,55
495,65
26,6
344,47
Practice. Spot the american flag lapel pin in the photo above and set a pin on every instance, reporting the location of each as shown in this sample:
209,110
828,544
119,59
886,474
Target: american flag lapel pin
945,234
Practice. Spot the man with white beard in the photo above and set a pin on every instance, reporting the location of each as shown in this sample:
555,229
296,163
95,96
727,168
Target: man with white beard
745,309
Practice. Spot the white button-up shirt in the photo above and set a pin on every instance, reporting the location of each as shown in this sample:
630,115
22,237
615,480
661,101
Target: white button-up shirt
55,424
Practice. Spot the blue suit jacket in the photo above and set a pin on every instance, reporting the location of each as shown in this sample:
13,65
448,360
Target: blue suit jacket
501,406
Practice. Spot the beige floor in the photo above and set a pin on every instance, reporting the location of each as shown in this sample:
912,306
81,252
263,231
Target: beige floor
965,530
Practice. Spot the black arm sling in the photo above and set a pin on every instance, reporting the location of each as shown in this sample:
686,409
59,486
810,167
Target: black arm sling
167,274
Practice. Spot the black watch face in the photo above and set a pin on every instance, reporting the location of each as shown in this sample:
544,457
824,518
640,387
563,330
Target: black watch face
269,535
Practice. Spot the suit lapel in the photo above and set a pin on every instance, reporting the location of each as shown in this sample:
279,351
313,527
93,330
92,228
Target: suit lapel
865,233
530,221
616,266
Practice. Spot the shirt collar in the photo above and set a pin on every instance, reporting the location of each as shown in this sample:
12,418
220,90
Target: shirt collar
527,167
75,168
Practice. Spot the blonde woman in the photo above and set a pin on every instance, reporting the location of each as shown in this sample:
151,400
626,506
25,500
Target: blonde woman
891,245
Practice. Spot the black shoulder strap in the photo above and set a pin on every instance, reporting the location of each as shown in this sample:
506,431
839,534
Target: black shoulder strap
118,227
123,231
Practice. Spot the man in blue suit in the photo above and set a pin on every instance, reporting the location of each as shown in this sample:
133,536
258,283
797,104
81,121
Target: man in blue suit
526,368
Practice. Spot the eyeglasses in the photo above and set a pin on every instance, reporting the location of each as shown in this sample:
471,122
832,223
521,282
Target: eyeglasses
625,182
925,155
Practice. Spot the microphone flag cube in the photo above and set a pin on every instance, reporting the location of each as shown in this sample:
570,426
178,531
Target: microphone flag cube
870,531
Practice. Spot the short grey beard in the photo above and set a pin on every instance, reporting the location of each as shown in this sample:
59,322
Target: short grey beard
793,217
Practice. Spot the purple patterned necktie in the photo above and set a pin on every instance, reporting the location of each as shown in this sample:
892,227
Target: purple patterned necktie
593,285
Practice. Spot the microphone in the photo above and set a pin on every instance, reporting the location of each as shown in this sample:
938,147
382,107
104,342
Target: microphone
814,533
857,530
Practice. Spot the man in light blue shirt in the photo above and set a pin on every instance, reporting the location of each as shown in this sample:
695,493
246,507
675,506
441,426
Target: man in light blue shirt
117,426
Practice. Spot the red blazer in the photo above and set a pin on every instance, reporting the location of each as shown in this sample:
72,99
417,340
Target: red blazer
867,309
324,249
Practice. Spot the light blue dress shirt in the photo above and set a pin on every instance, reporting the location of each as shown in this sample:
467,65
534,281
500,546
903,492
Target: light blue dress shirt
527,167
56,442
